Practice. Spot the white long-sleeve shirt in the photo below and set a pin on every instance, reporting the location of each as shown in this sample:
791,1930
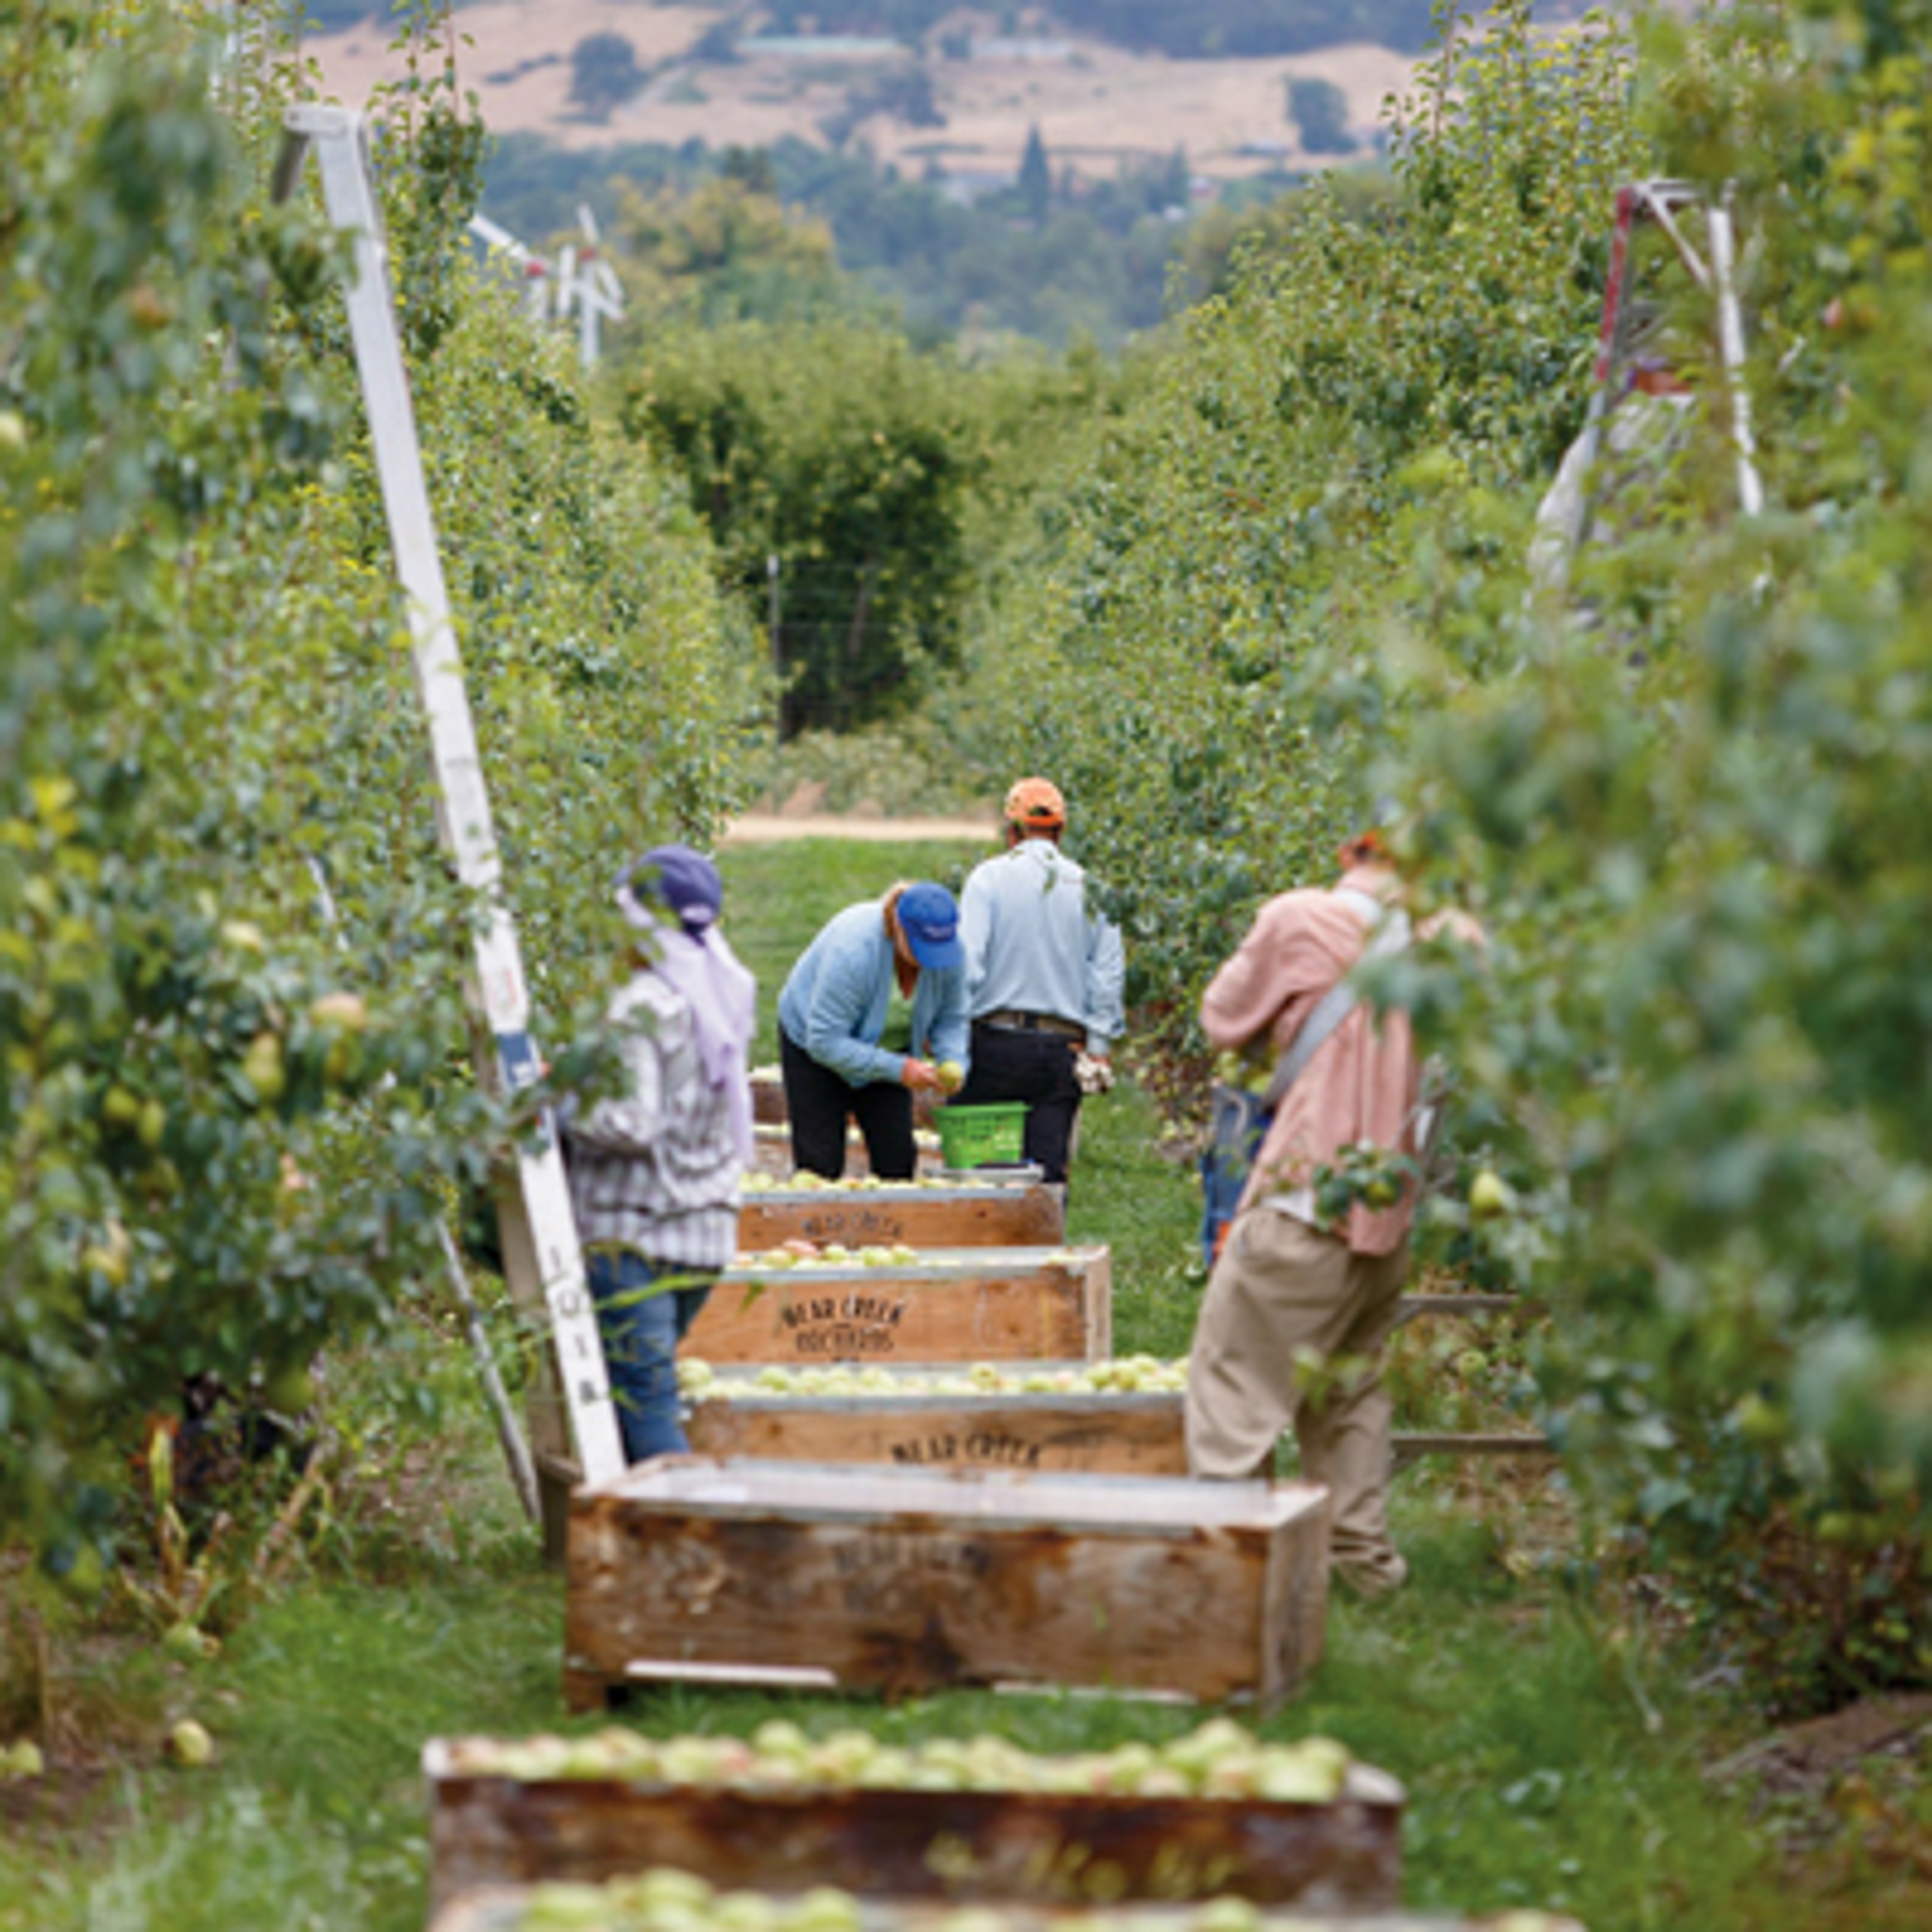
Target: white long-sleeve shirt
1034,944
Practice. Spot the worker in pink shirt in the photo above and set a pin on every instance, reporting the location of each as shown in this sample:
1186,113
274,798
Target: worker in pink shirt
1286,1282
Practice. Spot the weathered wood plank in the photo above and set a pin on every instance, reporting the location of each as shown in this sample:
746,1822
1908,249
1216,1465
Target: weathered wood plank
1013,1214
951,1305
1126,1432
502,1908
898,1580
1112,1435
1017,1847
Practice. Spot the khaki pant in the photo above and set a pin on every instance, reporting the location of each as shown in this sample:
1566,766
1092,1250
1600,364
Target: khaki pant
1280,1288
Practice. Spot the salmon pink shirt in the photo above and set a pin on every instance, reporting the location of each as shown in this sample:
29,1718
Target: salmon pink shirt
1361,1085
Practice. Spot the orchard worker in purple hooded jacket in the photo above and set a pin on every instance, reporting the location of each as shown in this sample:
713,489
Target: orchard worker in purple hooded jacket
654,1172
832,1015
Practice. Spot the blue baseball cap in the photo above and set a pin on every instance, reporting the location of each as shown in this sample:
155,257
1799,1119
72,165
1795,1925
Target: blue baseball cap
930,921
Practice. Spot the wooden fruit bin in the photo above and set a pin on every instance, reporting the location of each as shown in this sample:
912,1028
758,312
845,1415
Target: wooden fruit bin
871,1577
1028,1849
950,1305
963,1213
1124,1434
768,1096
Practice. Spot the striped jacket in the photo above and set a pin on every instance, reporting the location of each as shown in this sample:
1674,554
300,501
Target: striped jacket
657,1171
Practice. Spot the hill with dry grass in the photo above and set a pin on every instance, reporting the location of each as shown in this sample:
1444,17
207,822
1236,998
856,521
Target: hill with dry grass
962,104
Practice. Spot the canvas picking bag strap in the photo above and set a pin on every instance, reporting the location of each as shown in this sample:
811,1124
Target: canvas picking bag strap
1239,1120
1391,935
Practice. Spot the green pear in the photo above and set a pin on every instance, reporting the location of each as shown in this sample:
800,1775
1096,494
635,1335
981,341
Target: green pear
823,1909
346,1013
189,1744
1226,1914
559,1905
744,1911
262,1068
1488,1195
778,1737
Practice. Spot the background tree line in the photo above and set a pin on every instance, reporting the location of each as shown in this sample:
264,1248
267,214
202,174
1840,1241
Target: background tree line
1092,262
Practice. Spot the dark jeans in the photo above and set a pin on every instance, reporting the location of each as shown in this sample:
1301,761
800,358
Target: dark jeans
642,1325
1038,1068
816,1102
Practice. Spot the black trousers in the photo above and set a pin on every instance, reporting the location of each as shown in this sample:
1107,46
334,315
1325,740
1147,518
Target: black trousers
1038,1068
817,1101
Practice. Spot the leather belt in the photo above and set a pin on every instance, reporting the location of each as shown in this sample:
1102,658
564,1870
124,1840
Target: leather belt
1011,1020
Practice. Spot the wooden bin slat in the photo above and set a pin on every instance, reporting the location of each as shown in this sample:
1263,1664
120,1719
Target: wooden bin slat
962,1304
899,1580
1114,1434
987,1214
500,1910
771,1150
1047,1848
770,1107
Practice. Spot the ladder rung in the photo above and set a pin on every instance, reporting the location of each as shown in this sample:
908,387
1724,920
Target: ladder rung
1411,1306
1412,1447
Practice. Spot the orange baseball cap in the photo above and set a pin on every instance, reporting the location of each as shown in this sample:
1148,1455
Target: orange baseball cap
1034,801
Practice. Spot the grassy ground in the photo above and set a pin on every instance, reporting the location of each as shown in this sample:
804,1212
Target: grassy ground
1552,1758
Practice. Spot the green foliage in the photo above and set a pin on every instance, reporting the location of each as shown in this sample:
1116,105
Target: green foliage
1098,268
1319,110
603,73
1036,182
727,250
1220,237
204,706
1705,867
1180,636
908,769
848,457
1288,580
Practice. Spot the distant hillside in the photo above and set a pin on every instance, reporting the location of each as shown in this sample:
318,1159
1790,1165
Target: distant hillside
1181,29
959,109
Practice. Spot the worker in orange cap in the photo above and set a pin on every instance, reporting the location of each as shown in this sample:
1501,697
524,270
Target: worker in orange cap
1044,972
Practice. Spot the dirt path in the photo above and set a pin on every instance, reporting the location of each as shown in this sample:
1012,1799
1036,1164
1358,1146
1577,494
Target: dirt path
764,828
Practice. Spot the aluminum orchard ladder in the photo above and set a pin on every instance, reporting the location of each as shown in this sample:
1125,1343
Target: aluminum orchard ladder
543,1263
1663,204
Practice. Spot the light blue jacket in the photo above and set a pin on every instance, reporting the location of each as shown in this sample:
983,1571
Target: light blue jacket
835,1002
1033,945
